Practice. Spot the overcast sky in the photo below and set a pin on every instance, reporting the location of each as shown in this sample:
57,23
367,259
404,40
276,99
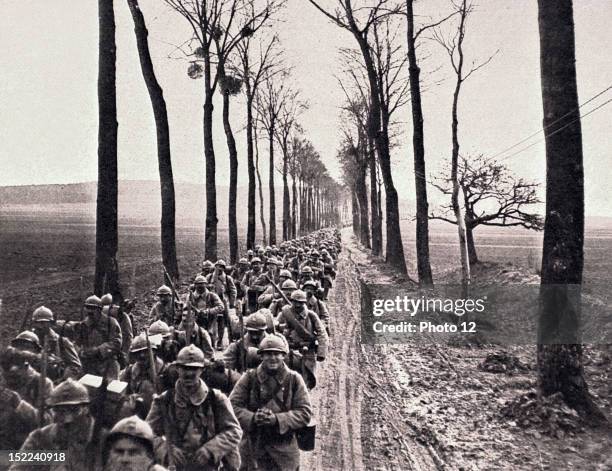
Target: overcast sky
48,112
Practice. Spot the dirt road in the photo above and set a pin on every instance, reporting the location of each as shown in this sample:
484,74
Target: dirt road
357,427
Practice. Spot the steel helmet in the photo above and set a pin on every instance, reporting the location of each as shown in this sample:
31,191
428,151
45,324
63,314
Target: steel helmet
243,261
221,263
310,283
307,269
298,295
285,273
273,343
42,314
324,252
271,261
133,427
69,392
27,338
163,289
249,252
289,284
255,260
190,356
207,264
93,301
199,279
256,321
260,250
139,343
107,299
159,328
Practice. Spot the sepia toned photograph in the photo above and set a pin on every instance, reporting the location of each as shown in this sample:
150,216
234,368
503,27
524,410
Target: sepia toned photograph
313,235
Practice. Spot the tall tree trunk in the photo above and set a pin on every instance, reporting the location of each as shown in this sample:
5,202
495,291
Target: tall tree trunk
294,209
471,246
355,211
375,202
286,197
233,186
394,247
210,230
261,200
251,225
107,239
156,94
362,196
418,145
271,184
560,366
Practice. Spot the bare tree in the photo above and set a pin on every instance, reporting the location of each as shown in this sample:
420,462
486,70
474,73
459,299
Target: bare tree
560,365
492,197
107,239
226,22
260,186
258,59
454,48
156,94
359,20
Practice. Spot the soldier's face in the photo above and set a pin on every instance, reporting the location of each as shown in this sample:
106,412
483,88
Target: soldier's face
200,287
309,292
298,305
272,361
256,267
73,419
256,336
128,455
41,328
190,376
93,313
164,299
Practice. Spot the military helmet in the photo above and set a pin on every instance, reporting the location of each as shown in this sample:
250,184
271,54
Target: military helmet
221,263
106,300
69,392
271,261
285,273
27,338
208,264
42,314
256,321
250,252
324,252
163,289
260,250
314,253
243,261
93,301
132,427
199,279
273,343
159,328
190,356
289,284
139,343
298,295
307,269
256,260
311,283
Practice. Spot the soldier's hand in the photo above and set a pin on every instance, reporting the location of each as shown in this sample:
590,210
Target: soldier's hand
203,456
177,455
259,418
9,398
269,417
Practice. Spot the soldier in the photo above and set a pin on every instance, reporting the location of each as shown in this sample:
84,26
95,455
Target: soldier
225,288
130,445
250,255
198,422
138,375
99,338
206,305
17,419
315,304
296,262
63,361
242,354
207,268
252,284
287,287
237,275
168,348
271,403
306,273
199,336
18,365
306,336
72,432
125,323
270,294
164,309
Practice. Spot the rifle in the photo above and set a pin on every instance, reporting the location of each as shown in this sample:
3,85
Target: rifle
188,321
243,351
278,289
42,380
152,367
175,297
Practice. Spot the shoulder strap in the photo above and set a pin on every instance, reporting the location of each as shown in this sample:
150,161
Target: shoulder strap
296,326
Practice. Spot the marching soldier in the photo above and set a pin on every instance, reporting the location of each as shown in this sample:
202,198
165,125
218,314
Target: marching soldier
164,309
253,284
207,268
239,271
315,304
306,273
199,336
125,323
271,403
169,347
130,445
306,336
99,338
207,306
70,433
287,287
17,419
270,294
63,362
225,288
198,422
242,354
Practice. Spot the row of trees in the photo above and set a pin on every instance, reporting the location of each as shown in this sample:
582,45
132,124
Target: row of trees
231,51
481,191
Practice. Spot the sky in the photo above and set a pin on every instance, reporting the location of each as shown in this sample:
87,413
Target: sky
48,86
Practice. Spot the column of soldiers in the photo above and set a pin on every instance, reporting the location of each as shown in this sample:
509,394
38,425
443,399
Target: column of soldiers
176,395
